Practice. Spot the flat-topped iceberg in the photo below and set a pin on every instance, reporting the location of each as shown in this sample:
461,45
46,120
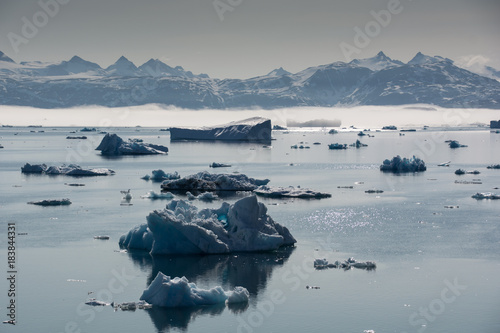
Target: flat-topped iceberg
486,195
113,145
251,129
243,226
179,292
289,192
403,165
204,181
51,202
67,170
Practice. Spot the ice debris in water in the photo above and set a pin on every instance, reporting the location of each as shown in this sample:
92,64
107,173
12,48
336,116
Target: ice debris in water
181,229
67,170
113,145
204,181
179,292
160,175
402,165
289,192
155,196
323,263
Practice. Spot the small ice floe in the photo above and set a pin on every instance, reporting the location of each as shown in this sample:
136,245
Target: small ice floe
206,196
320,264
486,195
455,144
158,196
451,207
333,131
76,137
74,184
345,186
337,146
463,172
445,164
53,202
374,191
358,144
312,287
179,292
289,192
494,166
160,175
103,237
467,182
94,302
219,165
67,170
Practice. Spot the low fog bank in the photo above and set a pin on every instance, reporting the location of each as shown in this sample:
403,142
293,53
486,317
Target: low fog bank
157,116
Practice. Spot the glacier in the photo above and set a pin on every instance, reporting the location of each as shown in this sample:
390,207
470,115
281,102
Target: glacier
113,145
205,181
251,129
243,226
179,292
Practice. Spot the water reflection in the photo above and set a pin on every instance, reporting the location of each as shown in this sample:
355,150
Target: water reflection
249,270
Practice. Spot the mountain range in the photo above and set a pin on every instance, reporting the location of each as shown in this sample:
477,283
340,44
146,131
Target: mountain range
379,80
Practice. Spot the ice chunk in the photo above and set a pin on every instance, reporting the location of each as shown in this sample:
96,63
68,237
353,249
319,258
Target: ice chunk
54,202
160,175
154,196
244,226
289,192
251,129
219,165
456,144
68,170
179,292
486,195
204,181
403,165
113,145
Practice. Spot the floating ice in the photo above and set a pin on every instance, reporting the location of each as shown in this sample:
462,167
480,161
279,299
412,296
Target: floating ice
160,175
486,195
358,144
337,146
53,202
495,166
204,181
68,170
455,144
289,192
346,264
113,145
181,229
251,129
402,165
219,165
179,292
155,196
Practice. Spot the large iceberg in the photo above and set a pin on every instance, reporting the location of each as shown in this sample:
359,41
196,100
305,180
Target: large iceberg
113,145
243,226
403,165
67,170
251,129
289,192
205,181
179,292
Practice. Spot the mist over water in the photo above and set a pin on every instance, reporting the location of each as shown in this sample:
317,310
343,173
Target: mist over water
157,116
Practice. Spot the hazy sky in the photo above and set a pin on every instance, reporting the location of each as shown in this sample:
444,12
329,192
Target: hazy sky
246,38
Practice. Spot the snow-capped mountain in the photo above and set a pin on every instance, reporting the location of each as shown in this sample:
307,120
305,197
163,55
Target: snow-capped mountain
376,63
379,80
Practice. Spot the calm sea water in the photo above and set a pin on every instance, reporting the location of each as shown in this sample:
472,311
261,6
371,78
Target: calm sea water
437,268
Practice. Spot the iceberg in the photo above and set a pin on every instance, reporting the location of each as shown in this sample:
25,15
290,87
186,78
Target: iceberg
243,226
113,145
346,264
337,146
160,175
256,129
219,165
155,196
54,202
204,181
358,144
289,192
403,165
494,166
455,144
179,292
67,170
486,195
